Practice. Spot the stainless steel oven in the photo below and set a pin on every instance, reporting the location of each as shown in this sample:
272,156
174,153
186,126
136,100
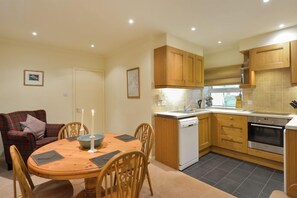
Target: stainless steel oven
266,133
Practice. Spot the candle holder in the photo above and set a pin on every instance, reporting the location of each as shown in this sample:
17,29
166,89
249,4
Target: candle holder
92,147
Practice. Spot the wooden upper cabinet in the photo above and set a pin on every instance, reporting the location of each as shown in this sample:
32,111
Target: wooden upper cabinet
177,68
294,62
199,71
175,63
270,57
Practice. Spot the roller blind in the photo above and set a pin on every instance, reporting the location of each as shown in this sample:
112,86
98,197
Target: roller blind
223,75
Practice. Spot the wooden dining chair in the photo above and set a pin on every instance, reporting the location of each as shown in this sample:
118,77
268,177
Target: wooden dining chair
52,188
128,170
72,129
145,133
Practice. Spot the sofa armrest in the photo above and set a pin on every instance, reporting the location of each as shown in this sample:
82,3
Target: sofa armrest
52,130
20,136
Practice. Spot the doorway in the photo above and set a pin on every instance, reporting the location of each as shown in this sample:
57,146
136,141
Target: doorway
88,95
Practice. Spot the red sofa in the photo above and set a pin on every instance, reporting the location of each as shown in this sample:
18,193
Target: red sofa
26,142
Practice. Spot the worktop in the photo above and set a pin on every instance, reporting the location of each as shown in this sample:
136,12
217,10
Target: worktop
178,115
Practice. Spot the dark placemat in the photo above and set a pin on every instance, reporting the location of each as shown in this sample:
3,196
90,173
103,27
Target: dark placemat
126,138
46,157
71,139
103,159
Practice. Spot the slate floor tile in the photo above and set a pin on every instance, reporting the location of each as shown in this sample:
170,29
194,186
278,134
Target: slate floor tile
203,179
278,175
227,185
215,175
197,173
273,185
250,188
247,166
263,195
228,165
238,175
238,195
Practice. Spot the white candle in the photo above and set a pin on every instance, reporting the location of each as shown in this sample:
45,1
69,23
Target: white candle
92,129
82,119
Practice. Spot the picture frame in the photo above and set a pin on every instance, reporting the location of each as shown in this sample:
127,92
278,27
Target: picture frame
133,83
33,78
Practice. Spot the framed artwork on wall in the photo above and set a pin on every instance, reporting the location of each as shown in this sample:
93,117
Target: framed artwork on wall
133,83
33,78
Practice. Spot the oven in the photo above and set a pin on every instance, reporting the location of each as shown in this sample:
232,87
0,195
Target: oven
266,133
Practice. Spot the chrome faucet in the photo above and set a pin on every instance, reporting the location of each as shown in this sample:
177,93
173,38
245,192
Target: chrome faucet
187,107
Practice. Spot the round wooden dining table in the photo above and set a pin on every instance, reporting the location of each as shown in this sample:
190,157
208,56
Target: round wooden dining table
76,162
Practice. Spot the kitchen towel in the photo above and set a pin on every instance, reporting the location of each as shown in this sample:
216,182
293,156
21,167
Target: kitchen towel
103,159
126,138
46,157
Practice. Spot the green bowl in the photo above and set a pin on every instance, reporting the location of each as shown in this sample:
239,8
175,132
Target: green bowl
85,140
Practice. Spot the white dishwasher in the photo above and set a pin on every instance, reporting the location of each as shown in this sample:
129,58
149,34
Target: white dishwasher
188,144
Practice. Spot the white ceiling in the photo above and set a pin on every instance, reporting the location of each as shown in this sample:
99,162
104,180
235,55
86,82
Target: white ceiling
76,24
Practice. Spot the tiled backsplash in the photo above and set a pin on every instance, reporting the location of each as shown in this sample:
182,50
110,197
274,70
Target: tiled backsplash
273,92
169,99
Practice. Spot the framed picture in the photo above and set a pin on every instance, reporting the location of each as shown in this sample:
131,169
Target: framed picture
33,78
133,84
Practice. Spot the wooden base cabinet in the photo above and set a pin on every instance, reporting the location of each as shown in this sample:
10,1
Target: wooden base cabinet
204,131
166,141
291,162
230,132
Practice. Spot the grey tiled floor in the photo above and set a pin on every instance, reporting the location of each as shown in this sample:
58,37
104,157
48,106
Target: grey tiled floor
239,178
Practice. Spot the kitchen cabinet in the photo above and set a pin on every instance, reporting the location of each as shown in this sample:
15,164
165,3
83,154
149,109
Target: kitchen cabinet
176,68
166,141
291,162
270,57
294,62
204,131
230,132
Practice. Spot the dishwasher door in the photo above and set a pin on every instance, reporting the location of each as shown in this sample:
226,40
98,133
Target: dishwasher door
188,142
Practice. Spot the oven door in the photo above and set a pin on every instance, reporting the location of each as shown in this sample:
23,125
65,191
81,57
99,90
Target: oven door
266,137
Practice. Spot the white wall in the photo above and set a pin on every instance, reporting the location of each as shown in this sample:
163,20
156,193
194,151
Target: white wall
270,38
56,94
223,58
123,115
173,41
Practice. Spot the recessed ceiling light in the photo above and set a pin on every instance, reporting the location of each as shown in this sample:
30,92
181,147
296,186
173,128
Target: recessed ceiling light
131,21
281,26
93,45
266,1
193,29
34,33
219,42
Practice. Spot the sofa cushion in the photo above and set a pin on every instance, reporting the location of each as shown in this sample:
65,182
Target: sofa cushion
35,126
44,141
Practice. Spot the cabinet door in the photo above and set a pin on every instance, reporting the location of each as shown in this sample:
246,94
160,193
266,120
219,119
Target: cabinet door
270,57
199,71
166,141
189,70
176,61
204,131
294,62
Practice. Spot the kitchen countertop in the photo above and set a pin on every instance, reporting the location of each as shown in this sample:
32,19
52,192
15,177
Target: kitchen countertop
178,115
